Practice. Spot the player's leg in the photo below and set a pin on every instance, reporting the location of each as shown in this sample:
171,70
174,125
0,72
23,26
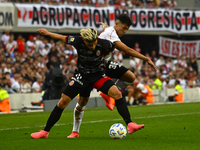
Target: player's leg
78,115
130,93
107,87
79,111
69,93
114,70
125,77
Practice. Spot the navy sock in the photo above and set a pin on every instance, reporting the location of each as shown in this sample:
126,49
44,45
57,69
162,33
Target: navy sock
123,110
53,118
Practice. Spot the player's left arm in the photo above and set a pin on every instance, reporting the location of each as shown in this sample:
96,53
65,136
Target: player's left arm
131,52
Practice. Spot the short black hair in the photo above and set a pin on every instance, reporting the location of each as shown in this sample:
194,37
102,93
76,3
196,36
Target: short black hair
124,19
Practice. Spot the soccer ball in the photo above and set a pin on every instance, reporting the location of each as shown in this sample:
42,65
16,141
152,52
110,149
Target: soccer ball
117,131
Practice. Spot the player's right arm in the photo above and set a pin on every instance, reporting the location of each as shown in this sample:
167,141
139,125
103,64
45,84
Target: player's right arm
52,35
103,25
131,52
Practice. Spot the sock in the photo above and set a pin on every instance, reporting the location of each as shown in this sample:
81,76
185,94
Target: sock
122,84
123,110
78,115
53,118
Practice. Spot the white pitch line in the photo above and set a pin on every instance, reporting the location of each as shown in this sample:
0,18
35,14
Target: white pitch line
61,124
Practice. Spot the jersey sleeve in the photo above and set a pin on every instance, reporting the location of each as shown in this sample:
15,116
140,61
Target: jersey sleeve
72,40
111,46
109,34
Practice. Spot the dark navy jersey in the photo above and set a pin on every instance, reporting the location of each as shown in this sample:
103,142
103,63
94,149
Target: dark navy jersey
90,61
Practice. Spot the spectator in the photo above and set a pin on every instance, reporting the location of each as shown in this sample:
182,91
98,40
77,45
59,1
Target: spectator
41,63
172,3
194,63
20,44
164,4
17,85
3,66
178,95
11,45
38,43
30,45
154,57
171,80
157,3
26,86
133,92
37,85
182,62
157,81
160,61
4,39
118,57
183,81
44,51
118,4
147,93
7,68
150,3
4,101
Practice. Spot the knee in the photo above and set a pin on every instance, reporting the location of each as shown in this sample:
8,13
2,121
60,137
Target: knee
117,95
64,101
133,78
83,101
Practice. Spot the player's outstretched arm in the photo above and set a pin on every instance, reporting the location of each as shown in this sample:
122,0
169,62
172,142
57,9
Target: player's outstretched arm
103,25
52,35
131,52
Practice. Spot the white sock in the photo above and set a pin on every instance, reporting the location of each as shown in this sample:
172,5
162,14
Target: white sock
78,115
122,84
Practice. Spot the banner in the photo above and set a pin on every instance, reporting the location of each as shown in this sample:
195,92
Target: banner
58,17
65,16
6,16
173,48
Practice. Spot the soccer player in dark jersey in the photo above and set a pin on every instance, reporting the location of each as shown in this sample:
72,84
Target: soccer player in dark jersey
90,73
113,70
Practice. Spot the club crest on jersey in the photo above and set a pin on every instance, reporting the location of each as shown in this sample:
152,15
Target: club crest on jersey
98,52
71,83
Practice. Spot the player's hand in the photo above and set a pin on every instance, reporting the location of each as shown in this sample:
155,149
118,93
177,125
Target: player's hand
151,64
103,25
42,31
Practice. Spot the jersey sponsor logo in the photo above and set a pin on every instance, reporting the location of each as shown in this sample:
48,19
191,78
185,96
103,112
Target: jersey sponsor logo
71,83
89,52
77,77
98,52
72,39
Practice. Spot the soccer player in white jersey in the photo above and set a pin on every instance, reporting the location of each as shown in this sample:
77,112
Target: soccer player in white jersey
113,70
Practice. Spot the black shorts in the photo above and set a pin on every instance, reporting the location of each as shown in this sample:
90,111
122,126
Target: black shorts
114,70
72,91
81,84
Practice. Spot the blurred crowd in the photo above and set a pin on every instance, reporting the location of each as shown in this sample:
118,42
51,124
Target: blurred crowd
119,4
181,68
24,63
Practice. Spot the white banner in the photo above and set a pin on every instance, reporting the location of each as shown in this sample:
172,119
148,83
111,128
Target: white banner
6,16
84,17
173,48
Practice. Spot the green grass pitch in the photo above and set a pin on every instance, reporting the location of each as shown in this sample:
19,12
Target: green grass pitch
172,127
